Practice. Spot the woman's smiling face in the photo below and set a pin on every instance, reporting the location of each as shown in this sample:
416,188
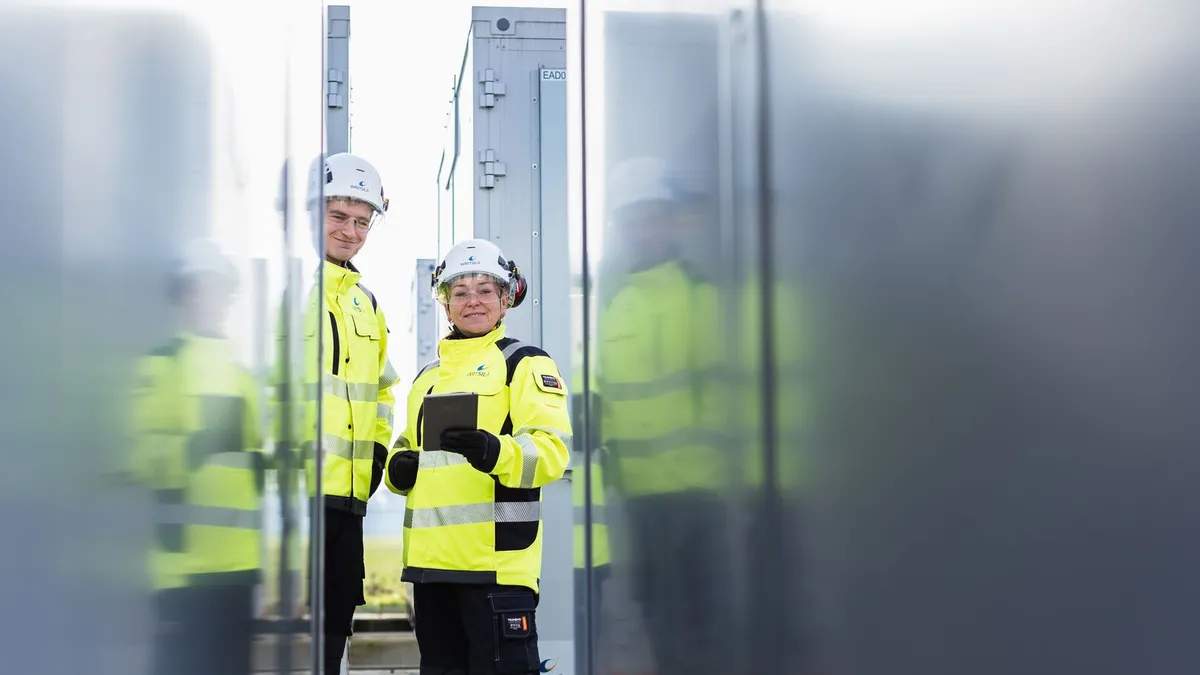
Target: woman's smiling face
477,303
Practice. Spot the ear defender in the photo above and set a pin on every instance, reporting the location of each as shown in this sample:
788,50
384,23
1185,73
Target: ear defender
437,272
519,287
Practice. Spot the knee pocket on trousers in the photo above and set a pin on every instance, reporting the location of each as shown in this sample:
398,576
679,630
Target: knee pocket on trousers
515,633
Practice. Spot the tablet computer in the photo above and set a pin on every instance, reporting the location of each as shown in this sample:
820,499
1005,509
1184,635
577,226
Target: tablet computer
448,411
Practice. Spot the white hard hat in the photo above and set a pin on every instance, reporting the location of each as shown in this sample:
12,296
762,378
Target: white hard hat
205,256
640,180
478,257
346,176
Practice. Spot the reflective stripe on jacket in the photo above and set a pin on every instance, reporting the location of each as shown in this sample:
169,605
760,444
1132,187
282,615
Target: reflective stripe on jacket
354,389
462,525
661,384
199,449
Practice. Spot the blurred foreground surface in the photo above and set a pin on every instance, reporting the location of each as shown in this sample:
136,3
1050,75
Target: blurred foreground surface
897,373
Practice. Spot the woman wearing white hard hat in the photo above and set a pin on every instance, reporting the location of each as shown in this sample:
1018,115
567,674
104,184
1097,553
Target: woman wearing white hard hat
472,527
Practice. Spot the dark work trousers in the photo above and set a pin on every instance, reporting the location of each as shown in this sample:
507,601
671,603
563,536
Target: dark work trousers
681,569
344,574
465,629
589,607
204,629
780,630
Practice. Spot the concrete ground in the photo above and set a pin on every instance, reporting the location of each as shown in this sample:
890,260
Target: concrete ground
390,653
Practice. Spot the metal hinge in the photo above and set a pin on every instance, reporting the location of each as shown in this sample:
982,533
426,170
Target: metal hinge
336,96
489,88
491,169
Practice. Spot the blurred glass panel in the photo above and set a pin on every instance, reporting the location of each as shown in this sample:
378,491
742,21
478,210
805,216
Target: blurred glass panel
983,232
669,324
141,506
951,265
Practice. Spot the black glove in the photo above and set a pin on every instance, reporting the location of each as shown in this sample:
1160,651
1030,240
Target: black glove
481,449
402,470
377,466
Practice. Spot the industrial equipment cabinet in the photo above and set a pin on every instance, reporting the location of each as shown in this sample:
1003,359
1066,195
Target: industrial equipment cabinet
503,177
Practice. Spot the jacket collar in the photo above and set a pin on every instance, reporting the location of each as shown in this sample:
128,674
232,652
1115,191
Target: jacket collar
339,280
453,350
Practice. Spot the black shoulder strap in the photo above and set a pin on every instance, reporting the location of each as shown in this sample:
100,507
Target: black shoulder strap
432,364
514,350
374,303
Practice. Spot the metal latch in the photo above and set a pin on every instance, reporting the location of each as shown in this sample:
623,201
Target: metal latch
489,88
336,98
491,169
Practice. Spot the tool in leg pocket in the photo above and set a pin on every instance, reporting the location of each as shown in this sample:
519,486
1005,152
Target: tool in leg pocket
516,650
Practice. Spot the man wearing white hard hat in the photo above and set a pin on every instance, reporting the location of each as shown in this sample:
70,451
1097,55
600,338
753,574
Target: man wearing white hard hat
472,526
347,201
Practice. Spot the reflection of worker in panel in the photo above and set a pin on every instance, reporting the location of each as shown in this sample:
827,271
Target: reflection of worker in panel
354,383
198,447
472,526
659,389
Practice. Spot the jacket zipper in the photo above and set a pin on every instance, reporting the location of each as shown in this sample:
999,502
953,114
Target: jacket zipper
336,347
333,325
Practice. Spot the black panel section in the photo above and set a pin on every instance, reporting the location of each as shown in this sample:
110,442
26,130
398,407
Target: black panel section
348,504
336,347
235,578
222,428
421,575
169,536
516,536
169,349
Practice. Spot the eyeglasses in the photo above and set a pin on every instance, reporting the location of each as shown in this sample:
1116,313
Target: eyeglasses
462,297
338,218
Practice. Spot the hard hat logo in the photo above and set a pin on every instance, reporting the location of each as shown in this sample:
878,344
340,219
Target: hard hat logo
468,258
348,176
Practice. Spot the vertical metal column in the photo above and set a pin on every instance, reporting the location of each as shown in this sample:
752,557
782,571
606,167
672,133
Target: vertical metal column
425,323
337,80
556,626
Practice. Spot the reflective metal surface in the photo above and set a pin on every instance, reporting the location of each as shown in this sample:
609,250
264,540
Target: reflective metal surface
151,512
902,378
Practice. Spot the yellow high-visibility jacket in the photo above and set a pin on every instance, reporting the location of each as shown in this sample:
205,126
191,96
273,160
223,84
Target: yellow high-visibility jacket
352,380
661,381
199,448
465,526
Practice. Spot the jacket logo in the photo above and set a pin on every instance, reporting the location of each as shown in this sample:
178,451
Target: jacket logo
551,381
481,371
